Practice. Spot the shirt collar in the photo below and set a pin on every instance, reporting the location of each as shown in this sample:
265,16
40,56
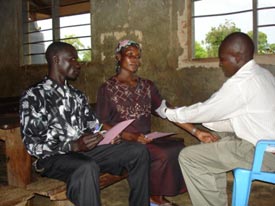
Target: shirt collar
53,83
246,68
62,89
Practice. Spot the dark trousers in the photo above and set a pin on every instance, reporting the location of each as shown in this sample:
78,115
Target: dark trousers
81,172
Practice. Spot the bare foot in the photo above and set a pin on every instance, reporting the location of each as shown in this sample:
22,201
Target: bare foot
158,199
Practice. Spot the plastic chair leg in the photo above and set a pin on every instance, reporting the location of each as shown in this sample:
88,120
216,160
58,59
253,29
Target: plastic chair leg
241,188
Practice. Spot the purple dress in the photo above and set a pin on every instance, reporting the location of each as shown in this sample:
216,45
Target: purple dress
117,102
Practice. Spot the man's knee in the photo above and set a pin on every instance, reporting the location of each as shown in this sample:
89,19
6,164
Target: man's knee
139,150
89,167
185,154
83,183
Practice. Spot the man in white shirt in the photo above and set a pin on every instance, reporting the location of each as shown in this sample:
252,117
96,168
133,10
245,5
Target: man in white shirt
244,108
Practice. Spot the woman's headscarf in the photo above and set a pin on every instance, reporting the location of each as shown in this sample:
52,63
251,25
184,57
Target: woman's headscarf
122,45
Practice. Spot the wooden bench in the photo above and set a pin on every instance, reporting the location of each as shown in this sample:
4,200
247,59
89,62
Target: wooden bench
19,165
18,160
14,196
56,190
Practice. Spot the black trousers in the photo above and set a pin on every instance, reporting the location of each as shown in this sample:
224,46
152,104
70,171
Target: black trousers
81,172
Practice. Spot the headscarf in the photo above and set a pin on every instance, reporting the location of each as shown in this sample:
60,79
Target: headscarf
122,45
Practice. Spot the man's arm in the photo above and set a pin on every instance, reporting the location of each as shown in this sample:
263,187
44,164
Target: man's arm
224,104
39,137
202,135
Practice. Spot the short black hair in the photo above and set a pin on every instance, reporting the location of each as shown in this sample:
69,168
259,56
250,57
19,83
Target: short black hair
241,39
54,48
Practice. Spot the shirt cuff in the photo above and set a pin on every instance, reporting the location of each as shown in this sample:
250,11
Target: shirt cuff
172,115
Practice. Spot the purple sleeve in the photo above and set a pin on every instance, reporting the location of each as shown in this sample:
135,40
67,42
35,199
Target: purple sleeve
103,106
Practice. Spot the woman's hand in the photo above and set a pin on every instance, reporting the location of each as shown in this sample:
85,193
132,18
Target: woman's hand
142,139
135,137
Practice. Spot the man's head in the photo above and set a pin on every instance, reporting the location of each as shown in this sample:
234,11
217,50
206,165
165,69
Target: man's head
62,62
234,52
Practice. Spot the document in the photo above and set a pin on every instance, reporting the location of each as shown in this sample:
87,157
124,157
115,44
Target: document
114,131
155,135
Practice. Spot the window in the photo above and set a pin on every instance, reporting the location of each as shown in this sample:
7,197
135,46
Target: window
212,20
46,21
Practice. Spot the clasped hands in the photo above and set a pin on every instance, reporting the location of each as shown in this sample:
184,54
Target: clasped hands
206,137
89,140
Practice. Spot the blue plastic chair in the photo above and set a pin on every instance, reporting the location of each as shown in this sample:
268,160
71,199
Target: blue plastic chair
243,177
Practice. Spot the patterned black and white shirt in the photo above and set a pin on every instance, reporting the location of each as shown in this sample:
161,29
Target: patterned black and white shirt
51,116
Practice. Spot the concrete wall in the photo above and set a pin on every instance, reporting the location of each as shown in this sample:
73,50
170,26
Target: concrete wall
161,26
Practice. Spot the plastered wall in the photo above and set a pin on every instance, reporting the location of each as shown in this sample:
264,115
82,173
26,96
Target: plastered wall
160,26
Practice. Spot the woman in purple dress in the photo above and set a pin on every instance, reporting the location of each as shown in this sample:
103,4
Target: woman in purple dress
128,96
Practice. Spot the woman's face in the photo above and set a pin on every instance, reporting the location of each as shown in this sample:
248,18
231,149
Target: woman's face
129,59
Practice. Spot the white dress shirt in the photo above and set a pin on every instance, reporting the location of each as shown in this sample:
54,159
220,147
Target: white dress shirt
245,104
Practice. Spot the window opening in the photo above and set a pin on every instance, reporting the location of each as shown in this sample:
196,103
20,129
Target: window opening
46,21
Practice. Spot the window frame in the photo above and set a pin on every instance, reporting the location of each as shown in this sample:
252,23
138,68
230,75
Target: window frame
55,16
255,26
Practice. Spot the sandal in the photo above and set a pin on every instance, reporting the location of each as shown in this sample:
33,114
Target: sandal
164,204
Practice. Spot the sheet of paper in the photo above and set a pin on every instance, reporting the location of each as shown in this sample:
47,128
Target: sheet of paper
114,131
155,135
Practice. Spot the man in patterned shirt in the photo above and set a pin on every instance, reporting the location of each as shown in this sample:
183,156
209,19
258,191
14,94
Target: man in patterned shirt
59,129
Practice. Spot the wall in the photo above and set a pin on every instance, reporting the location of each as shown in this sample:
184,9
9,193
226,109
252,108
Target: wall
10,74
160,26
156,25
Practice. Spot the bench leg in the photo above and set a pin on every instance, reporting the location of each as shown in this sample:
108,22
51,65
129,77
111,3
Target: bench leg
19,161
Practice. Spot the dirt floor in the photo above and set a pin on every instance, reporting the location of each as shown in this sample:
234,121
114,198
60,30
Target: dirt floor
117,195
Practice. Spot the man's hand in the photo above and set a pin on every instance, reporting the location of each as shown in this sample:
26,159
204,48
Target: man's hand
116,140
86,142
161,110
206,137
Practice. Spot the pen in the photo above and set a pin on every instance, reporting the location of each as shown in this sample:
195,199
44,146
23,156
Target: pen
98,127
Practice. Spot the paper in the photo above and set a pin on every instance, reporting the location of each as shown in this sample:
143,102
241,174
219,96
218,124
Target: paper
155,135
114,131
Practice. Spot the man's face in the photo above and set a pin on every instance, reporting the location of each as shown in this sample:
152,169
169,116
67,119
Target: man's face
69,66
228,62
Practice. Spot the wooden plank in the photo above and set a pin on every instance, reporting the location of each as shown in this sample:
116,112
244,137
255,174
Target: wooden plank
56,189
18,160
14,196
107,179
47,186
